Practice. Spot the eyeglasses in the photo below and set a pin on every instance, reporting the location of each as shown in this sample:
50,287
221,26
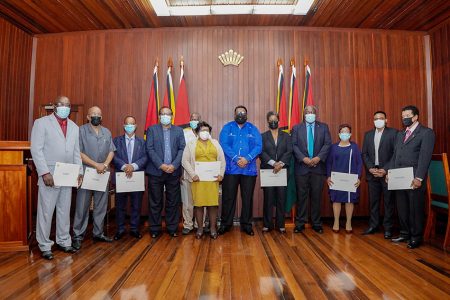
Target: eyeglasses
59,104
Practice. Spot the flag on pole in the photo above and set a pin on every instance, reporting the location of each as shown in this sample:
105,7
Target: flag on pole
281,98
308,95
153,101
183,116
169,97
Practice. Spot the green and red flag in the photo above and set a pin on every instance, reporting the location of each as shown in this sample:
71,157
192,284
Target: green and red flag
307,94
281,98
153,101
183,116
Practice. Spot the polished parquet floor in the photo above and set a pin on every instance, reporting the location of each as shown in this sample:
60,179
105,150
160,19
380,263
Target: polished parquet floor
235,266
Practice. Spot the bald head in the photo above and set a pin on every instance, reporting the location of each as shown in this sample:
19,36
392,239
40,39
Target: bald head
62,101
195,116
95,111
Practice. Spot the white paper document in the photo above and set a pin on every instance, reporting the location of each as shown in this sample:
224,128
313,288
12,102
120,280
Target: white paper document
134,184
344,182
400,179
66,174
94,181
269,178
207,171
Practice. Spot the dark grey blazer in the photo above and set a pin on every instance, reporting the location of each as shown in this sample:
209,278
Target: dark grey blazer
322,144
385,151
282,151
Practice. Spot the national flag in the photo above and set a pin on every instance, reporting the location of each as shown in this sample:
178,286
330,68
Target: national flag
294,109
307,94
153,101
169,97
281,98
183,116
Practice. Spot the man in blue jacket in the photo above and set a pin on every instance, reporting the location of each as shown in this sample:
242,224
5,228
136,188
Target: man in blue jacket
241,143
130,156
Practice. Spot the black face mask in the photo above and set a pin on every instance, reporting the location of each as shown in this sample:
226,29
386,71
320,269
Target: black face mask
96,120
240,119
407,121
273,124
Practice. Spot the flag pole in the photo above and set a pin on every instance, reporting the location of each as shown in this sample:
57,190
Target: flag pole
294,207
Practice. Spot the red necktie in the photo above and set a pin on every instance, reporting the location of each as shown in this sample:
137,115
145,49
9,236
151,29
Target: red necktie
407,135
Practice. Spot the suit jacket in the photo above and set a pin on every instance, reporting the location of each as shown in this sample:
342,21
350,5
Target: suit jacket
385,150
322,144
416,152
121,157
155,149
282,151
49,146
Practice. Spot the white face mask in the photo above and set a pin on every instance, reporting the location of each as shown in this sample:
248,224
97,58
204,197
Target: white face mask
379,123
204,135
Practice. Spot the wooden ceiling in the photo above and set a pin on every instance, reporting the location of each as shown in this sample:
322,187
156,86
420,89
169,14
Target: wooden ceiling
52,16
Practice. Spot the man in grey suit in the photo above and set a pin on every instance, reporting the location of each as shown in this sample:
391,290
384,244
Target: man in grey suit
311,144
165,144
413,148
54,138
97,151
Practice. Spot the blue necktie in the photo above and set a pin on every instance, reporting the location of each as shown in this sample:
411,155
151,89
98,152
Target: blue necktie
310,141
129,151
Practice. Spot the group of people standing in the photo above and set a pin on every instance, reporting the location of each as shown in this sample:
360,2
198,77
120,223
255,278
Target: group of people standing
169,156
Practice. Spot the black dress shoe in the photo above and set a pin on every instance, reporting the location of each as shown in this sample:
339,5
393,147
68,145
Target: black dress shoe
223,229
136,234
173,234
318,229
299,229
155,234
103,238
48,255
119,235
249,231
68,249
400,239
370,230
76,244
387,235
413,244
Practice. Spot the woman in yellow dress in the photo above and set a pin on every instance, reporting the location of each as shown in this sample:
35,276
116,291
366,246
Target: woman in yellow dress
204,193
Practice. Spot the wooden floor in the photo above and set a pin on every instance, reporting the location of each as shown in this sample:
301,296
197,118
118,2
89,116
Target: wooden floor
235,266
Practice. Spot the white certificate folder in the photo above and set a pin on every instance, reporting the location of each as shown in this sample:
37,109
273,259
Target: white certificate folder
400,179
344,182
94,181
207,171
135,183
66,174
269,178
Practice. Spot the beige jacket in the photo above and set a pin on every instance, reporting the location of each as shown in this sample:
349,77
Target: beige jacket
188,160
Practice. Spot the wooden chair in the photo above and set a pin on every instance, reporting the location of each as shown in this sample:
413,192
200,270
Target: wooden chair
438,192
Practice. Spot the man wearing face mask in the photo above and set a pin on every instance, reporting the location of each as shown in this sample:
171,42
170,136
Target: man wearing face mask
242,143
311,144
97,151
130,156
54,138
377,151
165,144
413,148
186,192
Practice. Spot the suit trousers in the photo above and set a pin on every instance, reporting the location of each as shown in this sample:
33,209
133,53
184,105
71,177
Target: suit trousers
274,196
81,218
121,210
309,185
50,198
188,204
378,187
230,186
411,212
156,186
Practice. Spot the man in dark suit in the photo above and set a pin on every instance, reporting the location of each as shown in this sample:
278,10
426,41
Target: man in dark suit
377,151
130,156
311,144
413,148
165,144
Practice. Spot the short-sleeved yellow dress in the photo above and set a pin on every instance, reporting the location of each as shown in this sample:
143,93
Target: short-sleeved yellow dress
205,193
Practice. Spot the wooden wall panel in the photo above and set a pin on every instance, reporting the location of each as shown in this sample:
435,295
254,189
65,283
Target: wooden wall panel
15,64
355,72
440,52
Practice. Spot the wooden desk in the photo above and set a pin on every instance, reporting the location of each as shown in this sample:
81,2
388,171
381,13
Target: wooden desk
15,195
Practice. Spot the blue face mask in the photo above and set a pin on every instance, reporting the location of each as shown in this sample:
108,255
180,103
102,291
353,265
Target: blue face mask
310,118
193,124
165,119
344,136
129,128
63,112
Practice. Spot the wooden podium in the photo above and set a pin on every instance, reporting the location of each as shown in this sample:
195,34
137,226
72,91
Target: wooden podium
15,196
